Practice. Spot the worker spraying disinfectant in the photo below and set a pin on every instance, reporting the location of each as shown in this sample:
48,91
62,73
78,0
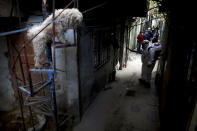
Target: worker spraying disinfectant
151,52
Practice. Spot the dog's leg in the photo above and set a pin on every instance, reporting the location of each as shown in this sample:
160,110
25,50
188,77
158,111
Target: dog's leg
39,47
60,34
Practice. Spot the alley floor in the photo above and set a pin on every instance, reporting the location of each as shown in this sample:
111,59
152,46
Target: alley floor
125,106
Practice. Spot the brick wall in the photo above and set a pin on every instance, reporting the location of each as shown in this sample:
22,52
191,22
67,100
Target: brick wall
15,42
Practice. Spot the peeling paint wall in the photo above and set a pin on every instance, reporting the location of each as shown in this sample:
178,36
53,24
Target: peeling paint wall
7,98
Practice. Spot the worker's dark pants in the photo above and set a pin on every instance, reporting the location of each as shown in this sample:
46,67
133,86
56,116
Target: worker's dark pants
139,47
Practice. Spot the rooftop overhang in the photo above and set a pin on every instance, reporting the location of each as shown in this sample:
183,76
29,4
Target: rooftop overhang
94,11
134,8
109,11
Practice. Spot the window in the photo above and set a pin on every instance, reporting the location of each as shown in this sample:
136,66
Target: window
100,46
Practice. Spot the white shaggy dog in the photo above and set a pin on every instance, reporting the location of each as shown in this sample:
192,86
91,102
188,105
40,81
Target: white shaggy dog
68,19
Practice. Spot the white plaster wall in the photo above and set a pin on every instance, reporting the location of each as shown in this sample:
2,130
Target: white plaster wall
67,79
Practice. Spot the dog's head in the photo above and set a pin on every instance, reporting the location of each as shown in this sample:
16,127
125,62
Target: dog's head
71,18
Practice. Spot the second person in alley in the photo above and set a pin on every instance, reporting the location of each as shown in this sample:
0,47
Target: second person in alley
140,39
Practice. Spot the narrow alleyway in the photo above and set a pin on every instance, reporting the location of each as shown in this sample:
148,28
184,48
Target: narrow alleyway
125,105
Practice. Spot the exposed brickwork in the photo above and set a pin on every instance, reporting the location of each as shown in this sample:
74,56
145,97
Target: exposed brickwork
16,42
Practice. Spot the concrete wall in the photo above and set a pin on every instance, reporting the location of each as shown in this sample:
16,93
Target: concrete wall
7,98
133,35
92,79
5,8
193,124
175,97
67,77
86,67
